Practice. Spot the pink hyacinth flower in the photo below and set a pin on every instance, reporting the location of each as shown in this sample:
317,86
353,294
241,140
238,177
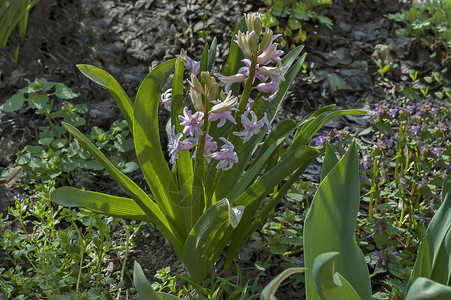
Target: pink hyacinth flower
226,156
227,81
251,127
270,54
192,123
191,64
166,99
176,145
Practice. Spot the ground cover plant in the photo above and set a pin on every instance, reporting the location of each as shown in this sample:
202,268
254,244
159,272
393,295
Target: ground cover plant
395,210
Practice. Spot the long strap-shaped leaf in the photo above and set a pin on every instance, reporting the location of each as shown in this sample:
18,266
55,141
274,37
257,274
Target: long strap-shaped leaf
251,221
424,288
144,289
269,292
197,255
332,215
266,183
104,79
102,203
308,131
329,284
434,255
137,194
184,163
275,138
148,148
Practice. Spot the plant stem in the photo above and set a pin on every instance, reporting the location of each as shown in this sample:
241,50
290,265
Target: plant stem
47,115
244,97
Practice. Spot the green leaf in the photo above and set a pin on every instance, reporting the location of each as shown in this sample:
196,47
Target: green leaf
434,254
149,153
136,193
309,129
102,203
64,92
423,288
104,79
212,54
235,214
14,103
275,138
144,289
199,253
330,160
250,222
330,226
184,163
330,285
269,292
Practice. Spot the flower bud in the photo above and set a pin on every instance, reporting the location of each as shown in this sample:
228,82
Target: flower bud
206,78
195,84
266,40
213,91
254,22
196,98
248,43
211,87
228,103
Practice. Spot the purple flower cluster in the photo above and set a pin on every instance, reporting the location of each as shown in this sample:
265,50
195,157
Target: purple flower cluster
333,136
386,256
211,104
384,144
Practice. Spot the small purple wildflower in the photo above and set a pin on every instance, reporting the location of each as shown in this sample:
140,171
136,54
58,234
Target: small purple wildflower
381,229
392,112
411,109
367,237
415,129
437,151
376,255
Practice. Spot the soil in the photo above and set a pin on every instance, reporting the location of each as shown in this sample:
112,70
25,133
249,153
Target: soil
128,38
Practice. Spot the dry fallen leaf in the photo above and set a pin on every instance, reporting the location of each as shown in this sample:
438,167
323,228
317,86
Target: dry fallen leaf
10,179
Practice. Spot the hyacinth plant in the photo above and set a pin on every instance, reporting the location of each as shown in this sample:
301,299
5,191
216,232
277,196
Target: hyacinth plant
228,168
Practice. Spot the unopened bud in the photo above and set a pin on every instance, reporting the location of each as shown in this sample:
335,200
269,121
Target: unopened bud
254,22
195,84
196,98
228,103
266,40
213,91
